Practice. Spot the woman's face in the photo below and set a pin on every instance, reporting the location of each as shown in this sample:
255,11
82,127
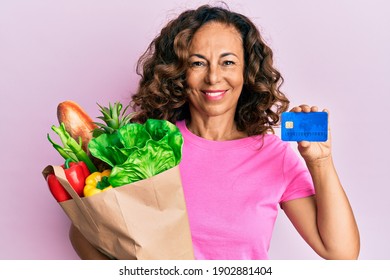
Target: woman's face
215,75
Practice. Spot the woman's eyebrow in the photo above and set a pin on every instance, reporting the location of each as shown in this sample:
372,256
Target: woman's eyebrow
198,55
222,55
228,53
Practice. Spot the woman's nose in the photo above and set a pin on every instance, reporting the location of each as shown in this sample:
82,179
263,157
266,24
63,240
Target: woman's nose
213,75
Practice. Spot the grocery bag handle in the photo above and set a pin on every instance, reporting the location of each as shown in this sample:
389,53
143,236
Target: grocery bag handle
60,175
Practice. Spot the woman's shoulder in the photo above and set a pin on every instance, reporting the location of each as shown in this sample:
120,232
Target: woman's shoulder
181,124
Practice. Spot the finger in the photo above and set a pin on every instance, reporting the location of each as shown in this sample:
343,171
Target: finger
305,108
304,144
296,109
314,108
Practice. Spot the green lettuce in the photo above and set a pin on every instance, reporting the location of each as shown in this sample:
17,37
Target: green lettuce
139,151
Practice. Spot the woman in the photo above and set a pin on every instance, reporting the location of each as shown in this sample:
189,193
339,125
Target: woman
210,72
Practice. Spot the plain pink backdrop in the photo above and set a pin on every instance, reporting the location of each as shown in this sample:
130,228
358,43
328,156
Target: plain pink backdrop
333,54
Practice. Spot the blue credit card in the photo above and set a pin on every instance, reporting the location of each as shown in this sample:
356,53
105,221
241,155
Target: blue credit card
303,126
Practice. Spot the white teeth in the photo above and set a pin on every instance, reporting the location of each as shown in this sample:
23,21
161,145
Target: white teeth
214,93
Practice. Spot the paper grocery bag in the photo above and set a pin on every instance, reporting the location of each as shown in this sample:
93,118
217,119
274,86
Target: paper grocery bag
145,220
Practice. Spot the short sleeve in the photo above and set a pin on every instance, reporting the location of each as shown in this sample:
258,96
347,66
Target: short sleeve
297,179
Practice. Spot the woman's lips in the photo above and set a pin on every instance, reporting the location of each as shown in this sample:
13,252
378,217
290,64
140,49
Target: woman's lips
214,94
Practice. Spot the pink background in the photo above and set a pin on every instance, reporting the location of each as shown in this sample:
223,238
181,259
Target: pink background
334,54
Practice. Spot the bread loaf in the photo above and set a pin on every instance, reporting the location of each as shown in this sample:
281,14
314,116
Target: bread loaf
77,122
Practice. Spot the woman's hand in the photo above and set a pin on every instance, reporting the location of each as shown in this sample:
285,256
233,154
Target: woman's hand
83,248
313,152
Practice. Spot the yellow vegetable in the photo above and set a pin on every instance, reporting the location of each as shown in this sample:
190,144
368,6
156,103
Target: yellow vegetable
97,182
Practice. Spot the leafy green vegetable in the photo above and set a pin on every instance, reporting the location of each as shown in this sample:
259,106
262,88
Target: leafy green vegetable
136,152
102,148
167,132
154,158
133,135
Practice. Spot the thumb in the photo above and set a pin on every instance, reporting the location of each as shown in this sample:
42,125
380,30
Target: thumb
303,146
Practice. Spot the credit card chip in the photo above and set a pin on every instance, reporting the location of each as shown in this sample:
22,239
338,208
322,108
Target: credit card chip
289,124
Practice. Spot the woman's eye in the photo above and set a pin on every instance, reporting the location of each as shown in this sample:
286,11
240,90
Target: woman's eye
197,64
228,62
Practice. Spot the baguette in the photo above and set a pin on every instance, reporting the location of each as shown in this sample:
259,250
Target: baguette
77,122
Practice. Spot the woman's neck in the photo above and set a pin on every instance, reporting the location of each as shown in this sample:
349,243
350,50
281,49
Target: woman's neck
216,129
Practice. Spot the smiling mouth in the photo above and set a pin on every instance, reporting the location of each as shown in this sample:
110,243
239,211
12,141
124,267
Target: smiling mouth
214,94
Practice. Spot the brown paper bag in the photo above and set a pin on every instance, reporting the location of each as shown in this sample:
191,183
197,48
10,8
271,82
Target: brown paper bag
145,220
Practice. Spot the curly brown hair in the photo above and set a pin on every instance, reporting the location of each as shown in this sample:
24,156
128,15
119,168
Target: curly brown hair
162,88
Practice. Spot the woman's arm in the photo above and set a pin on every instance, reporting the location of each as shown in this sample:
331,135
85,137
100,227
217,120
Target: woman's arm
83,248
325,221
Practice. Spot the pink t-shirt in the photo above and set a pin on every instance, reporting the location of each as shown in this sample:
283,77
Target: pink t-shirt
233,190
